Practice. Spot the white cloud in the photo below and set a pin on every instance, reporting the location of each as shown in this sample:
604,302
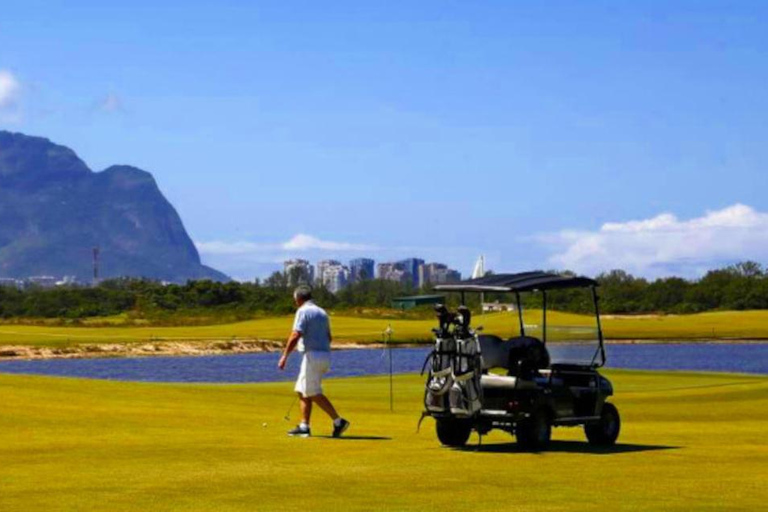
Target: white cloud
298,243
664,244
10,91
303,242
230,248
9,88
111,103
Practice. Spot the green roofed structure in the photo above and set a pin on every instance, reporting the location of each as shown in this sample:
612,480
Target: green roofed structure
416,300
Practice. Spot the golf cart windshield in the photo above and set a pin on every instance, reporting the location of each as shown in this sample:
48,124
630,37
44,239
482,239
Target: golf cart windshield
570,339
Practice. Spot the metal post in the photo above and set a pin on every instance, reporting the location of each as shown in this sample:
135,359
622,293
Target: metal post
520,313
388,338
544,318
596,300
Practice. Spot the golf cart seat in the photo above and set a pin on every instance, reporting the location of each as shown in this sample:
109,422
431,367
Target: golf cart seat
492,381
521,356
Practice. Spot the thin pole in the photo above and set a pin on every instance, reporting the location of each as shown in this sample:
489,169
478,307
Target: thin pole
388,335
520,314
544,318
596,301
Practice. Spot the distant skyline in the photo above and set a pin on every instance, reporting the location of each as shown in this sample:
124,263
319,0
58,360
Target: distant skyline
543,135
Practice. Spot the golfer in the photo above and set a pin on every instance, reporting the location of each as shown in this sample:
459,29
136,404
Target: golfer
312,334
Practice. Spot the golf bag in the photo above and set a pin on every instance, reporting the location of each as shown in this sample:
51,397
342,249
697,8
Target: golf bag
440,377
453,384
466,394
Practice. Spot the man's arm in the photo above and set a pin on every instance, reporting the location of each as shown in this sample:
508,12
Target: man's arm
293,339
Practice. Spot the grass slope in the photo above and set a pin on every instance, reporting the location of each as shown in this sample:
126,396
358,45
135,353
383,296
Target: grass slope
728,324
689,442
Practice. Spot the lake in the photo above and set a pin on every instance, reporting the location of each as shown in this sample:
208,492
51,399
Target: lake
262,367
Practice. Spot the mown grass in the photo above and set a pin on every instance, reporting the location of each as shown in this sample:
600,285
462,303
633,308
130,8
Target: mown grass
689,442
728,324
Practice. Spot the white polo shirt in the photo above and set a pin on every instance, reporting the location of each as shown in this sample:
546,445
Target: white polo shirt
313,324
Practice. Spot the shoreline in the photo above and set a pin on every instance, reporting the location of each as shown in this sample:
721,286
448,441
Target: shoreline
230,347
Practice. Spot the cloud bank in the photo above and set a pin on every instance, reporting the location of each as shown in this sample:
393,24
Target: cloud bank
244,260
665,245
299,243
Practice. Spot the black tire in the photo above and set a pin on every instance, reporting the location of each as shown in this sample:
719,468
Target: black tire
453,433
534,433
605,431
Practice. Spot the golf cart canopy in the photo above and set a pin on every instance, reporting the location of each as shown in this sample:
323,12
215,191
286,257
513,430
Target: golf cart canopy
522,282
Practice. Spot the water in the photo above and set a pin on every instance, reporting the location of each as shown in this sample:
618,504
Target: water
262,367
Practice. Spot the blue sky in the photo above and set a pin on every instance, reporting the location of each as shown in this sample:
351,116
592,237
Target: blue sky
542,134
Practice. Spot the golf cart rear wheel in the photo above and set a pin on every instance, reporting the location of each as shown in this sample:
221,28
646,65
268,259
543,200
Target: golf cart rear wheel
605,431
534,433
453,433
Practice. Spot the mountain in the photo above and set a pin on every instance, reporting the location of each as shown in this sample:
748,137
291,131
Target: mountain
54,210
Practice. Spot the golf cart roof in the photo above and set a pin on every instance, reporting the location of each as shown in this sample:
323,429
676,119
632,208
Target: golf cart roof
522,282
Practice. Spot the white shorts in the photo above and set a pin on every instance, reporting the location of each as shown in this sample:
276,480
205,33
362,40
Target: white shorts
313,366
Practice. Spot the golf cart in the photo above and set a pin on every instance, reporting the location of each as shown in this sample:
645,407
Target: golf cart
521,385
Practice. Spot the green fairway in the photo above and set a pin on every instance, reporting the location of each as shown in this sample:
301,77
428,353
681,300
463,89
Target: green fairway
689,442
728,324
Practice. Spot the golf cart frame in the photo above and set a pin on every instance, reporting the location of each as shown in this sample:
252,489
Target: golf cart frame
535,394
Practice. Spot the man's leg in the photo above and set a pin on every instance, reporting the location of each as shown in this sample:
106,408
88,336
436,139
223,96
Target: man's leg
325,404
340,425
317,366
305,403
306,408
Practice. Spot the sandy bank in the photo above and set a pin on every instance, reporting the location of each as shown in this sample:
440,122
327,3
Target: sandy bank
221,347
160,348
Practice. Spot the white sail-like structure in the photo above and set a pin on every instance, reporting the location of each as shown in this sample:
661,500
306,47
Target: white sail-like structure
479,270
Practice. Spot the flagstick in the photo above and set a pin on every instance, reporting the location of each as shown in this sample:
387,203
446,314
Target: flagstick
388,341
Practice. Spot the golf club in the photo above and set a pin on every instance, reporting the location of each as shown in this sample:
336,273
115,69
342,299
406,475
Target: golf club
287,416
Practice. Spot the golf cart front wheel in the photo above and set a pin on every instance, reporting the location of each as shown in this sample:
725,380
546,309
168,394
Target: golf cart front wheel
454,433
605,431
534,433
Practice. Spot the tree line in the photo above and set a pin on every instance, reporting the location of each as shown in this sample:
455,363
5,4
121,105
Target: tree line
736,287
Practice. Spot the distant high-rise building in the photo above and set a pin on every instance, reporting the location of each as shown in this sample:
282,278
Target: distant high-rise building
335,277
384,269
437,273
393,272
427,270
411,267
361,269
298,272
322,266
445,276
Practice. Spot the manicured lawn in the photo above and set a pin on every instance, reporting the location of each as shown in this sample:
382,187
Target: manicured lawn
689,442
728,324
